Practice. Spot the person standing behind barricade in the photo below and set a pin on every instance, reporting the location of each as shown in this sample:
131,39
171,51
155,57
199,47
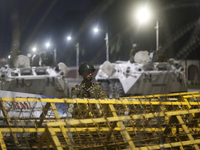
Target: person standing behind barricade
87,89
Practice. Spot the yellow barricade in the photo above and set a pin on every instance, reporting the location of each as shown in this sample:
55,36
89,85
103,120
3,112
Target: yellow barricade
165,121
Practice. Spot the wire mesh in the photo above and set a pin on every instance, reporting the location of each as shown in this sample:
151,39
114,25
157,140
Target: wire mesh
169,121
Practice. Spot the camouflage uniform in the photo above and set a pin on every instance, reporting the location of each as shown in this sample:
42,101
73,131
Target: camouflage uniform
160,56
80,91
132,54
94,91
136,48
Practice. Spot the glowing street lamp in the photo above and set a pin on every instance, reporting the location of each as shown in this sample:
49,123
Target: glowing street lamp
47,45
107,43
96,30
34,49
143,15
69,38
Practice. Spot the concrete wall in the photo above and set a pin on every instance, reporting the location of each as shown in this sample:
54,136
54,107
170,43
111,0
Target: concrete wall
192,70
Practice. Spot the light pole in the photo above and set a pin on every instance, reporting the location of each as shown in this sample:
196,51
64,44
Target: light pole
157,34
107,43
53,52
77,60
55,55
144,15
107,47
77,57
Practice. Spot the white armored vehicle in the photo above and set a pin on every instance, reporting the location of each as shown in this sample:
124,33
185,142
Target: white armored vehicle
142,77
38,81
42,80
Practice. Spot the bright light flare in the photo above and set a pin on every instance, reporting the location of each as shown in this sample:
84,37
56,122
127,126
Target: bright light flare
69,38
143,14
96,30
34,49
47,45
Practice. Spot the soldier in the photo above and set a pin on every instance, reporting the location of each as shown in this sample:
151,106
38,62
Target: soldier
160,55
135,49
87,89
47,59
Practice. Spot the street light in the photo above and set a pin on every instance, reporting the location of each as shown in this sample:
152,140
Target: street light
47,45
96,30
107,43
144,15
69,38
34,49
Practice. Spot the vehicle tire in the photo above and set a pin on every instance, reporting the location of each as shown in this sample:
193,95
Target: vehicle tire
105,87
119,91
111,93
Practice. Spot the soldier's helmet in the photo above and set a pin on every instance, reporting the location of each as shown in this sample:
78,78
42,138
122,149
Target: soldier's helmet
136,45
85,66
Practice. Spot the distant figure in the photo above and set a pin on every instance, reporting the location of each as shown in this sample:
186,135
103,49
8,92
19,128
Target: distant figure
160,55
13,56
36,60
136,48
47,59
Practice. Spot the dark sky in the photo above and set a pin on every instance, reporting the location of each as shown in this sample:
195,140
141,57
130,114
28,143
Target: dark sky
34,22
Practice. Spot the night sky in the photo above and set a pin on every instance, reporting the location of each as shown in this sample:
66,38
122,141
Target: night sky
32,23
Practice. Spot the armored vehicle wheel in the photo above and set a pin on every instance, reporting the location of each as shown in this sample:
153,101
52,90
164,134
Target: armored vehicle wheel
105,87
111,93
118,90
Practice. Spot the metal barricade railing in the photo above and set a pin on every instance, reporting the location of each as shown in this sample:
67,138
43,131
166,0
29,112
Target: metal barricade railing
169,121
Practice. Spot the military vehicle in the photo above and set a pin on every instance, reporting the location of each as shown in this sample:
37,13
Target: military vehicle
142,77
37,79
